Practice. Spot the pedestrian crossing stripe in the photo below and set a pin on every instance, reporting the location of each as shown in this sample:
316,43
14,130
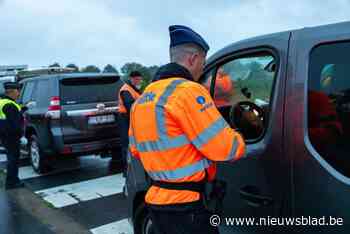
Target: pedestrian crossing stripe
119,227
71,194
75,193
3,157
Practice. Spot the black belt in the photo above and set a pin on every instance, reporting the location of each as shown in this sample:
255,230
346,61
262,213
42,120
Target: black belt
191,186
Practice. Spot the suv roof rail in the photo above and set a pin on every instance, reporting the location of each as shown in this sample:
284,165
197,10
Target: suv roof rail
37,72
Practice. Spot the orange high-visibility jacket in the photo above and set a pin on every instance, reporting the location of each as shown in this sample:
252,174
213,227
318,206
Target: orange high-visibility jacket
133,93
223,90
177,133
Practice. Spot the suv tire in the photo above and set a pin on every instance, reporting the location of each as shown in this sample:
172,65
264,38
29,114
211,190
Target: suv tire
142,222
37,157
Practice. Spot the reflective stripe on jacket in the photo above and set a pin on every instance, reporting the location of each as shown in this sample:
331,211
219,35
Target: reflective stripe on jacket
133,93
4,102
177,133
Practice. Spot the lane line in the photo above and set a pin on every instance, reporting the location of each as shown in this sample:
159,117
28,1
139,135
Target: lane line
71,194
27,172
119,227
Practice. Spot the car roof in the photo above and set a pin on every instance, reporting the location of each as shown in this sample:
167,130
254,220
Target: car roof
71,75
236,45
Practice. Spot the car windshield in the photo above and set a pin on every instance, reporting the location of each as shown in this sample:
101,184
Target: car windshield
89,90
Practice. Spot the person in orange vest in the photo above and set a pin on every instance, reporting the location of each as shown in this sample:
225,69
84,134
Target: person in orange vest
179,135
224,89
128,93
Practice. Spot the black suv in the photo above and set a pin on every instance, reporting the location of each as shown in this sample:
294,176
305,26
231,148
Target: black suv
70,114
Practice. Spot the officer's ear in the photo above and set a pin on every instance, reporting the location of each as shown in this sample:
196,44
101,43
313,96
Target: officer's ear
193,59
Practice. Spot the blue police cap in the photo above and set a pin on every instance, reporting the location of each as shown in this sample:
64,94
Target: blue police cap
181,35
11,85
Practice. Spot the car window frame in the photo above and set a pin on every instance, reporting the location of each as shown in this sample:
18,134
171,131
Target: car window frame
250,52
24,89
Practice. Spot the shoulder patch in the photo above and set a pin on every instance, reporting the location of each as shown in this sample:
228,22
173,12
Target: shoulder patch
146,97
200,100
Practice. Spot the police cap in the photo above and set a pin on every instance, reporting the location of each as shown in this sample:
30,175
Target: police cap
11,85
180,34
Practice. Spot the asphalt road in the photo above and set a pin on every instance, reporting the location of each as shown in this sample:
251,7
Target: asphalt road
88,189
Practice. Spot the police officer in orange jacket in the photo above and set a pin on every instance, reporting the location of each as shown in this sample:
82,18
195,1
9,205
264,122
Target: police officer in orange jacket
128,93
178,134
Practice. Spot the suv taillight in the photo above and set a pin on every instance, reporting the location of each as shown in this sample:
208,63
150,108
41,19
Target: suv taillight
54,110
54,104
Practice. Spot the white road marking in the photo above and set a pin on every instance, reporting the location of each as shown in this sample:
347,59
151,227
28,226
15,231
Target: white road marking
27,172
3,157
70,194
119,227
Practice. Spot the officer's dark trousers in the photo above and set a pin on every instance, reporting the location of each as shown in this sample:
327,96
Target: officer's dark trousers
12,148
124,156
182,222
124,137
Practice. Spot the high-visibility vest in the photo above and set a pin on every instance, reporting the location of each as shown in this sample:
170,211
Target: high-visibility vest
133,93
4,102
223,90
178,134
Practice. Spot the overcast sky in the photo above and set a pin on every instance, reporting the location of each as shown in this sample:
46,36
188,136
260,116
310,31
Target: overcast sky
41,32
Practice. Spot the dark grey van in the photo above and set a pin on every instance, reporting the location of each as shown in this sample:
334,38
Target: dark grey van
298,162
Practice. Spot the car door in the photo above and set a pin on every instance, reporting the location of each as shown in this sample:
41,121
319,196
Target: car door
319,102
27,97
41,99
254,71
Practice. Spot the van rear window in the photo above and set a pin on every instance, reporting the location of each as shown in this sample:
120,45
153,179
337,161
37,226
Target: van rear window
89,90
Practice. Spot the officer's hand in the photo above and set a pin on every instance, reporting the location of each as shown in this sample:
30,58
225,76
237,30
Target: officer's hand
24,108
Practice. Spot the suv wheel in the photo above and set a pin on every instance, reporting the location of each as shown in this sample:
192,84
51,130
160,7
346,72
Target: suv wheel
36,156
143,223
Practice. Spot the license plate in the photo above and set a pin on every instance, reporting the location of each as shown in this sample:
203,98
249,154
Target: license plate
101,119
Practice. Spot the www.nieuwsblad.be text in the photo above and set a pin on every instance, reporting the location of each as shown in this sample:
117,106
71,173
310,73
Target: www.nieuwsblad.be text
216,220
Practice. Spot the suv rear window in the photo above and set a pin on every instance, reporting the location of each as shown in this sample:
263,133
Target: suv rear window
89,90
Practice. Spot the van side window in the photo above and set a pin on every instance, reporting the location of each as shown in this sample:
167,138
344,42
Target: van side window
329,104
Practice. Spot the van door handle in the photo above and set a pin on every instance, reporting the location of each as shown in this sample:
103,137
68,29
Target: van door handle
253,197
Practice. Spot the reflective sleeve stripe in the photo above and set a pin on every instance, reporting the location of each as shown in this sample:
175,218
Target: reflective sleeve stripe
233,151
169,143
162,144
160,112
132,141
210,132
180,172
